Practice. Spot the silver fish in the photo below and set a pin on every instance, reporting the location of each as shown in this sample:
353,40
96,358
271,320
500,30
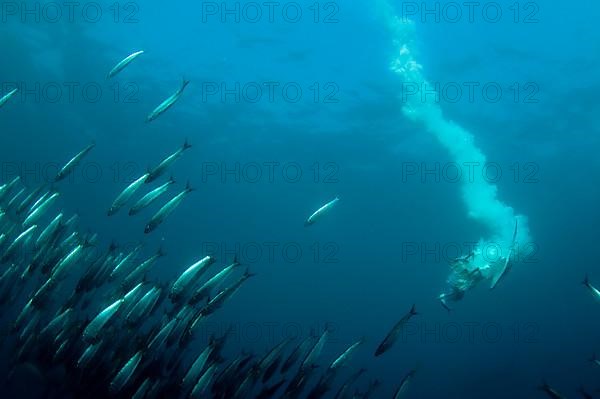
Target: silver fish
213,282
404,384
194,372
70,166
49,231
149,198
168,103
203,382
319,212
7,96
123,63
124,375
166,210
40,210
66,262
91,332
126,195
190,274
166,163
345,356
551,392
22,238
143,306
595,292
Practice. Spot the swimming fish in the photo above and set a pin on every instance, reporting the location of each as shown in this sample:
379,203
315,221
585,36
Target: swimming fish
7,96
167,209
319,212
168,103
123,63
149,198
68,168
166,163
126,195
392,336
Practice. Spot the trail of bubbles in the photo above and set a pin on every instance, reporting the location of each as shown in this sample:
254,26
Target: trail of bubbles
479,195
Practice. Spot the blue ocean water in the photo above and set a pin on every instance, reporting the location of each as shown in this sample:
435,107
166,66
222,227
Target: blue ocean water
286,112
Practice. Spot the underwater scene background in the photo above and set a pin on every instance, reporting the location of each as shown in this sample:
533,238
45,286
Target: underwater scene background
438,125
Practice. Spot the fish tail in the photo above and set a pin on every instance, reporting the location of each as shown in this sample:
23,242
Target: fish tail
586,281
413,310
113,246
184,83
186,144
543,386
445,305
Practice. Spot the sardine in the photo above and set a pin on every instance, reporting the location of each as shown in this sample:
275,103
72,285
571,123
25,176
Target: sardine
123,63
168,103
320,212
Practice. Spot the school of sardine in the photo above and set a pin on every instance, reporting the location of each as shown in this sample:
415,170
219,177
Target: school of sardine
92,313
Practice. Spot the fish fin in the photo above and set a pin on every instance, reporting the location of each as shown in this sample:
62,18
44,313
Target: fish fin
445,305
413,310
172,180
186,144
188,187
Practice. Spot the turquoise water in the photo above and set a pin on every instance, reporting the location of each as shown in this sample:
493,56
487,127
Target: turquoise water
286,112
